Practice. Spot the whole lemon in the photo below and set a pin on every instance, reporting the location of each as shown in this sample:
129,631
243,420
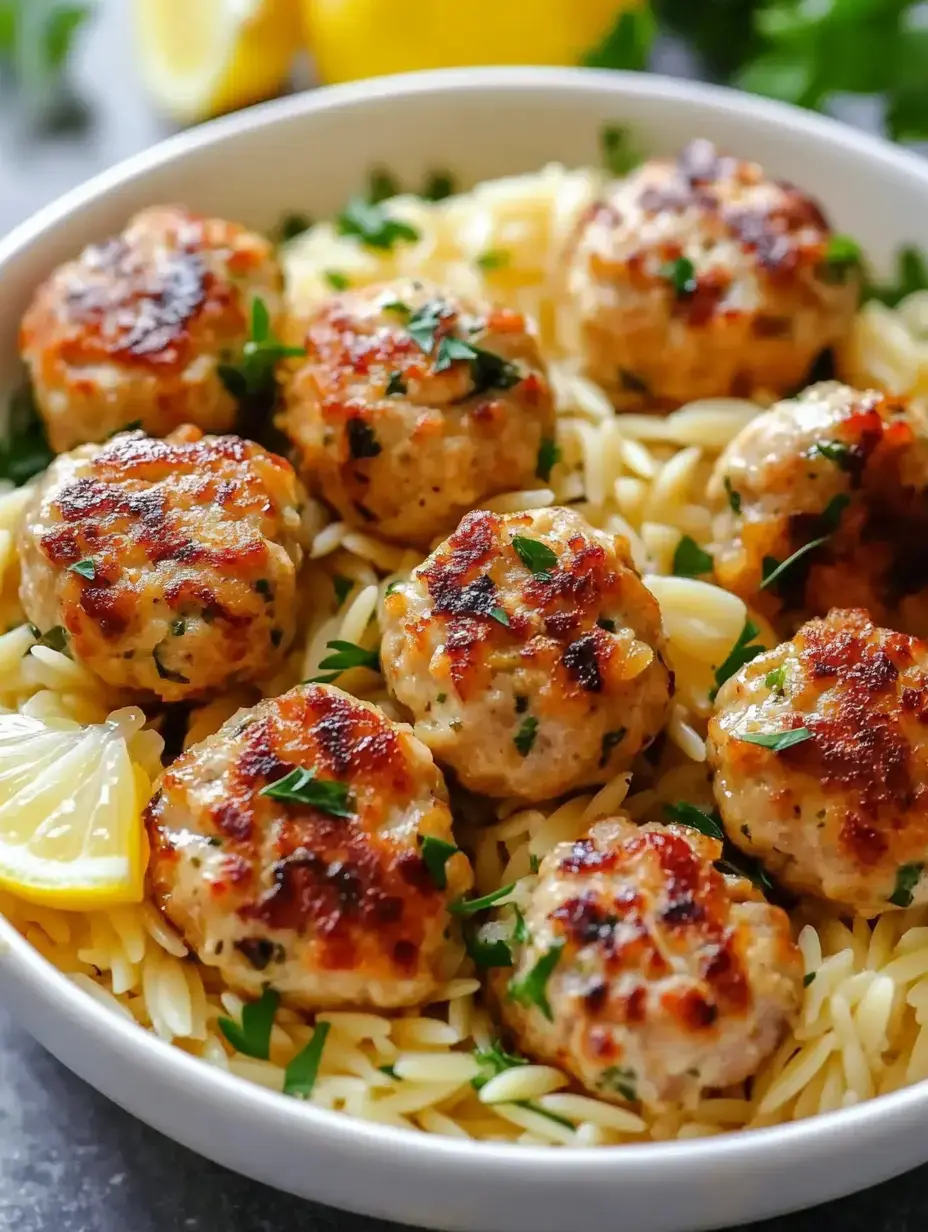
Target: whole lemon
368,38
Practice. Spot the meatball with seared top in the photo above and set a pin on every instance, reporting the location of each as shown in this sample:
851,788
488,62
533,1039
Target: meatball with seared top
698,277
307,845
825,502
529,653
413,405
648,974
171,564
135,330
819,751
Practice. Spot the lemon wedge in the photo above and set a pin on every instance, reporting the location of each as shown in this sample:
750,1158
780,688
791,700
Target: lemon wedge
202,57
351,39
70,801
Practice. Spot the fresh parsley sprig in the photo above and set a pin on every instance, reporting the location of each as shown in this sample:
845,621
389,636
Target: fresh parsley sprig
301,1073
347,655
301,786
252,1036
252,378
531,989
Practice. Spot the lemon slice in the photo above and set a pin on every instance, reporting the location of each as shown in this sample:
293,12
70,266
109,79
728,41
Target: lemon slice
70,799
202,57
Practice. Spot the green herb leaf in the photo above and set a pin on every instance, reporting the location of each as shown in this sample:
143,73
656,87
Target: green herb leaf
470,906
290,226
835,451
808,978
492,1061
487,954
369,223
535,555
55,638
529,990
907,878
632,383
85,568
777,741
734,498
911,276
424,323
524,738
493,259
549,454
843,252
618,1078
300,786
776,679
336,280
681,274
686,814
343,587
362,439
382,185
347,655
610,741
742,652
396,384
438,186
253,378
164,672
435,854
25,450
520,933
300,1074
253,1036
617,151
829,518
500,615
689,560
488,370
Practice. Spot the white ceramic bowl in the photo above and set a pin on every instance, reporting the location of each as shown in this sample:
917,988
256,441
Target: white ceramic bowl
310,152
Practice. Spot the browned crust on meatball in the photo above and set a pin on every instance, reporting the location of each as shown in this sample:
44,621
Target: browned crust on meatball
340,883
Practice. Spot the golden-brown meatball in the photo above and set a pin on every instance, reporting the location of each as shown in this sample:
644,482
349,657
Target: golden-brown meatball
529,653
648,975
171,564
837,480
835,801
412,406
701,277
134,330
307,845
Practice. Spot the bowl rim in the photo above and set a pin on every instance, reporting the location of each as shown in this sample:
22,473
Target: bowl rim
58,995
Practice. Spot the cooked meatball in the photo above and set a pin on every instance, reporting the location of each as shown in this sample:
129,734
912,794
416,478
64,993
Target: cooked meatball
413,405
529,653
134,330
307,845
171,564
835,801
648,975
700,277
846,471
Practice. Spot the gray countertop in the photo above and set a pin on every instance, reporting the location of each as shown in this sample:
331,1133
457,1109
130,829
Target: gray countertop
70,1161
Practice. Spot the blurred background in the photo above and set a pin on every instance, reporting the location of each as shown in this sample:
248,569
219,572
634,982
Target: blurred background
84,83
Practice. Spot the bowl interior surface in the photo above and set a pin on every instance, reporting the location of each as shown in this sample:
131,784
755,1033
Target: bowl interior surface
309,153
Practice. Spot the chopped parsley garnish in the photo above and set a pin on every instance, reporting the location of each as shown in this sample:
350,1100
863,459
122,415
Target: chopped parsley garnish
529,990
686,814
336,280
300,1074
390,1072
470,906
534,863
907,878
549,453
263,588
441,697
488,370
85,568
610,741
178,627
343,587
734,498
681,274
777,741
290,226
492,1061
493,259
520,931
369,222
165,672
524,738
396,384
382,184
535,555
301,786
842,254
742,652
347,655
911,276
397,307
500,615
617,150
521,703
808,978
835,451
829,519
24,451
607,623
423,324
633,384
689,560
618,1078
391,586
253,377
435,855
486,954
362,439
55,638
439,185
253,1036
775,680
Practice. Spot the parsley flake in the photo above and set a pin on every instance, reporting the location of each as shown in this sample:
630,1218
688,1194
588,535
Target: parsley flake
777,741
618,1078
775,680
617,150
487,953
253,1036
734,498
681,274
166,673
290,226
253,377
470,906
347,655
689,559
835,451
808,978
369,222
362,439
611,740
535,555
549,454
336,280
911,276
55,638
907,878
524,738
300,1074
343,587
439,185
178,627
632,383
686,814
742,652
529,989
435,855
500,615
85,568
301,786
842,255
492,259
396,384
493,1060
829,519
